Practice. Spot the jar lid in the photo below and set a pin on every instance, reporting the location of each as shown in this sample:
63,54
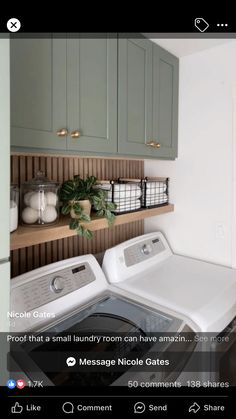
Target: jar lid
41,180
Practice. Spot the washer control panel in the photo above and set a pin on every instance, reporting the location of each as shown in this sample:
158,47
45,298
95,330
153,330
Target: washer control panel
144,250
50,287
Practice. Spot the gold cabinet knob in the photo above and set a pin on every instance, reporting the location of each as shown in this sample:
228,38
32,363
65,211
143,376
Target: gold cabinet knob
151,143
62,132
75,134
157,145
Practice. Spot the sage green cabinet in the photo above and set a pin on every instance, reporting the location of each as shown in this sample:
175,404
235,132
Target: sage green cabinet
92,94
67,85
38,93
102,96
134,96
147,100
165,103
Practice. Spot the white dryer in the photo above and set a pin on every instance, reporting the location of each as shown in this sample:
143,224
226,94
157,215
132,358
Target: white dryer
202,294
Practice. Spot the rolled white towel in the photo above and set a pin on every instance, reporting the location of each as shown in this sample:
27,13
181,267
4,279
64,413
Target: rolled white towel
156,200
126,194
121,190
155,191
128,206
125,186
157,186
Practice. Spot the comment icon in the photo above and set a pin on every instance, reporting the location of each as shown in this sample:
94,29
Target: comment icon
68,407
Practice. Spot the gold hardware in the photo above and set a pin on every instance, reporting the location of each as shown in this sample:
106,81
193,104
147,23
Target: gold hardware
75,134
151,143
62,132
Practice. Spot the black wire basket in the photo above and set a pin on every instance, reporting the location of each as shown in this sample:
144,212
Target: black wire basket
125,193
155,192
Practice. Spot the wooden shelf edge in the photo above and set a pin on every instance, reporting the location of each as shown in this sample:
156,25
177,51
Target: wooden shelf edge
31,236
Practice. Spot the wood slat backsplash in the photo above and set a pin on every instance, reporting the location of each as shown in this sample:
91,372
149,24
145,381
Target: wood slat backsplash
60,168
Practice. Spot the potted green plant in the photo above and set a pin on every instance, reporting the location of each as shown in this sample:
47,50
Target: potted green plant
78,196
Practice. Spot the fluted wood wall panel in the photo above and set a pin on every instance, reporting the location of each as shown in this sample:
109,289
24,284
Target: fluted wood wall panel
60,168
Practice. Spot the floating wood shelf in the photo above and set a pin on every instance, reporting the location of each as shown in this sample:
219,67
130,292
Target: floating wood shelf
30,236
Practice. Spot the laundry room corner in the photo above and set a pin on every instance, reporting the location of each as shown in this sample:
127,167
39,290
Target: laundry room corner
202,179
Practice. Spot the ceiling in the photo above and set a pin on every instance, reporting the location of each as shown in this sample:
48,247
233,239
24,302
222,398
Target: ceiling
182,47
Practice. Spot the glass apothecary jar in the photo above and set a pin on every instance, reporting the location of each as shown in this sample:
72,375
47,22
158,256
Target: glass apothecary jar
14,205
39,201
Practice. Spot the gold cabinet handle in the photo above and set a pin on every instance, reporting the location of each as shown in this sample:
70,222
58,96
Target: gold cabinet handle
151,143
62,132
75,134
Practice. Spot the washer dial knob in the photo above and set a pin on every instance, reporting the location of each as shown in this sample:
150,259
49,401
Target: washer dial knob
146,249
57,284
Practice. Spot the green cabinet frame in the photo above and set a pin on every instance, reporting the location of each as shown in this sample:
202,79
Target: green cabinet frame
147,99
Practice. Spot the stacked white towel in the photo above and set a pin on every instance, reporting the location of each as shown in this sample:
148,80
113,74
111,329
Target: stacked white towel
158,187
156,199
130,205
126,196
125,191
155,194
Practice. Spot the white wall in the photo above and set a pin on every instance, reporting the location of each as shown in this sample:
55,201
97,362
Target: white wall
5,181
4,147
201,179
5,200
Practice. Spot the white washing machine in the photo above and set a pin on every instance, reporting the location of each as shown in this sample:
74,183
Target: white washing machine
73,296
202,294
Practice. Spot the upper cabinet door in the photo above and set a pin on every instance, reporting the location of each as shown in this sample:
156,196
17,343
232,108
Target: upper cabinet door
147,100
165,102
38,93
134,96
92,95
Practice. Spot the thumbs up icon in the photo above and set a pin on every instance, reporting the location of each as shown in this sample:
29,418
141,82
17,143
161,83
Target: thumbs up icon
17,408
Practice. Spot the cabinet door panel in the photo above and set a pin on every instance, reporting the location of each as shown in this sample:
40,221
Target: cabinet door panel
165,102
38,92
92,94
135,96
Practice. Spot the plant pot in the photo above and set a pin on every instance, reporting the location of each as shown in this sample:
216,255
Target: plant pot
85,205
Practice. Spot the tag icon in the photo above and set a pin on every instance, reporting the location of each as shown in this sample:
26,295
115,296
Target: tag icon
201,24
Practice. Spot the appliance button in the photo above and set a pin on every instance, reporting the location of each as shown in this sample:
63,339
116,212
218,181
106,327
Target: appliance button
57,284
146,249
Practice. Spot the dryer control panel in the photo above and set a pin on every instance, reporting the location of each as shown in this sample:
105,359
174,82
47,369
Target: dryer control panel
135,256
144,250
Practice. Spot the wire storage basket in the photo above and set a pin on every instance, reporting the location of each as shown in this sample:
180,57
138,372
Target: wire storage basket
124,193
155,192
